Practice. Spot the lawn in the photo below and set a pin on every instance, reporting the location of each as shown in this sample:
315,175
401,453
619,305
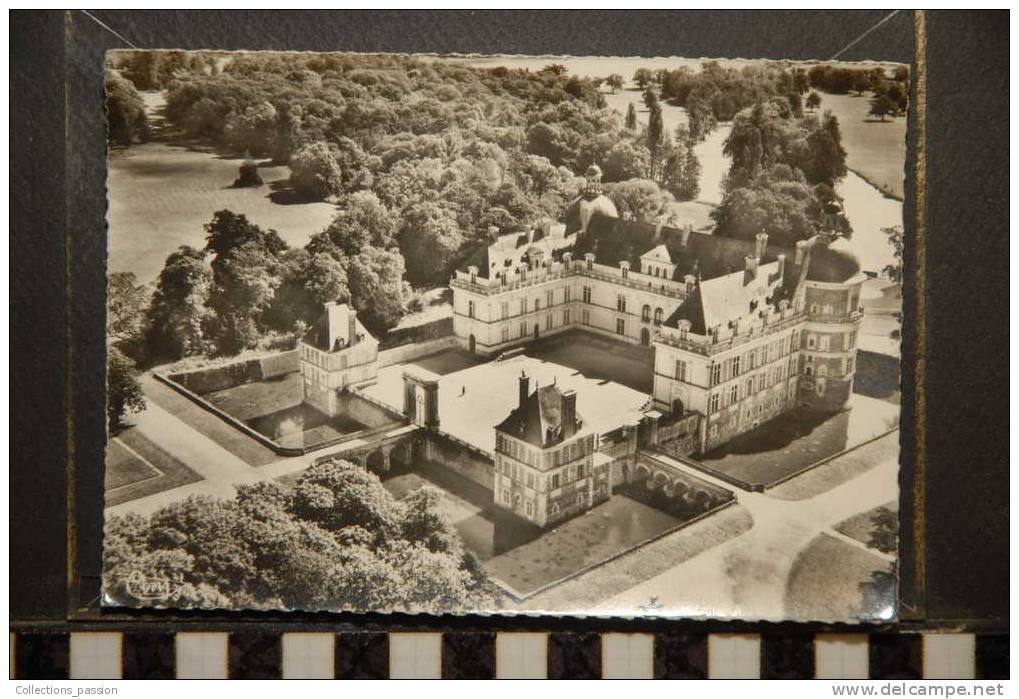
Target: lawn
839,471
861,526
874,149
135,468
796,439
161,195
828,580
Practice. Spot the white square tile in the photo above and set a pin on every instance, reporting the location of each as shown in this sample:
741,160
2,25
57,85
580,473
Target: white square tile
415,656
627,656
949,656
96,656
308,656
843,656
521,656
734,656
202,656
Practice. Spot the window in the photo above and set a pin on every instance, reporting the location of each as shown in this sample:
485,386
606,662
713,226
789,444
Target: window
505,309
714,431
645,313
620,326
470,309
580,470
555,481
537,304
658,316
849,365
621,303
523,329
716,374
587,294
505,333
750,386
735,365
585,316
506,496
566,294
566,317
530,480
530,508
733,394
625,271
824,343
852,340
713,403
548,322
590,262
794,342
810,342
548,297
681,370
516,501
523,305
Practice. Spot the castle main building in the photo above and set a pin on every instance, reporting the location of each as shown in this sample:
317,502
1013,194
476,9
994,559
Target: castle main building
742,331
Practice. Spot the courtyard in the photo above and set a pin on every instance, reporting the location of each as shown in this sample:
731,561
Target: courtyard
475,398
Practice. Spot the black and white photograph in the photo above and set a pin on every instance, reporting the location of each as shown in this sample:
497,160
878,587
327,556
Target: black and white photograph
485,334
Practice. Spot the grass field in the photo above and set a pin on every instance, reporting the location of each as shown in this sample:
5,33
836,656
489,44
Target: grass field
874,149
860,526
825,583
135,468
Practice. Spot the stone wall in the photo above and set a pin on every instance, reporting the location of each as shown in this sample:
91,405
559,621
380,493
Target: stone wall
406,353
218,378
426,332
458,457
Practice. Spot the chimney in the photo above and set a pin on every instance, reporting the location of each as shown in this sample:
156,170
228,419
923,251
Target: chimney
351,326
546,227
568,414
658,227
751,268
762,244
801,249
781,266
687,230
525,388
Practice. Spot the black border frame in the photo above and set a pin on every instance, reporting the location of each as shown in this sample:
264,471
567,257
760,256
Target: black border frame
957,577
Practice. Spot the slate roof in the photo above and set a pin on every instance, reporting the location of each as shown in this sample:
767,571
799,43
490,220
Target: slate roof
540,415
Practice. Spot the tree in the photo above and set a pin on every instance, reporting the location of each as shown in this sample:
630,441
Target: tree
315,171
362,221
701,119
881,107
655,135
615,82
377,288
626,160
307,281
861,82
126,121
557,69
895,239
123,392
227,232
884,534
824,159
643,77
682,170
897,96
631,117
248,175
125,309
813,101
177,314
636,199
429,240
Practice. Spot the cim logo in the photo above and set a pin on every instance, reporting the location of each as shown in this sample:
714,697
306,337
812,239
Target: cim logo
145,588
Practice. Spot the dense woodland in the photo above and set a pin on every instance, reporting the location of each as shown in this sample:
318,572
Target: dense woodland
427,159
335,539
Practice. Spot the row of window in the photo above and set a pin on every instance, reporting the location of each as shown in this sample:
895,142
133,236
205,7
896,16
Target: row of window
518,474
744,389
540,457
749,361
529,507
823,341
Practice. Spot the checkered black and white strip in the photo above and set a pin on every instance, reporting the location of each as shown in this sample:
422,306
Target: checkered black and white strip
251,654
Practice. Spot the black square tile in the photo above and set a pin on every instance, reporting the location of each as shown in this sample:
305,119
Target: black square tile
255,656
787,656
574,656
362,656
992,657
896,656
468,656
149,656
681,656
42,656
